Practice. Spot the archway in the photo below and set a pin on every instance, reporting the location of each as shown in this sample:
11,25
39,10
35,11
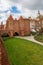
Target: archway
16,34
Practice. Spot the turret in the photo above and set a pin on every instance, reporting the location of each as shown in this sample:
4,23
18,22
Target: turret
2,26
38,13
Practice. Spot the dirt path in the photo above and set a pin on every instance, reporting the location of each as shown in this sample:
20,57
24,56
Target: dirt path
3,56
31,38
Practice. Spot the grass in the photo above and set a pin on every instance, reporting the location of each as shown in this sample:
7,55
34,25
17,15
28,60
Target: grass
23,52
39,38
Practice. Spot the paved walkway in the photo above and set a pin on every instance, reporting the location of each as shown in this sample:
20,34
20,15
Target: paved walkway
31,38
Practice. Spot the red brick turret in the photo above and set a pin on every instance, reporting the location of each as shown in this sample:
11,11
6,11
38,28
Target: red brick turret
2,26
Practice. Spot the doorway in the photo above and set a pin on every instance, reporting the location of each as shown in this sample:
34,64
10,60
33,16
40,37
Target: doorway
16,34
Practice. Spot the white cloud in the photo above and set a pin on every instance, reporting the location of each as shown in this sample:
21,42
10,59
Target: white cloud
27,8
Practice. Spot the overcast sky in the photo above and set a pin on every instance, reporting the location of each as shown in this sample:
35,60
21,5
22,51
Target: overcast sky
25,8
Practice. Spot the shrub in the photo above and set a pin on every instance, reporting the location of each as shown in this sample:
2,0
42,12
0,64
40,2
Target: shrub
33,33
39,38
4,35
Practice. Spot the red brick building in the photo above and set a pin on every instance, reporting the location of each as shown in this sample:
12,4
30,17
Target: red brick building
22,26
1,28
17,27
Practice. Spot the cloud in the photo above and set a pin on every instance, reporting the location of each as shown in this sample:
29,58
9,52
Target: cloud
30,4
14,9
25,8
33,5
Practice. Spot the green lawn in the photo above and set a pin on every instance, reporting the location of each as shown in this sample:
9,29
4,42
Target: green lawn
23,52
39,38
